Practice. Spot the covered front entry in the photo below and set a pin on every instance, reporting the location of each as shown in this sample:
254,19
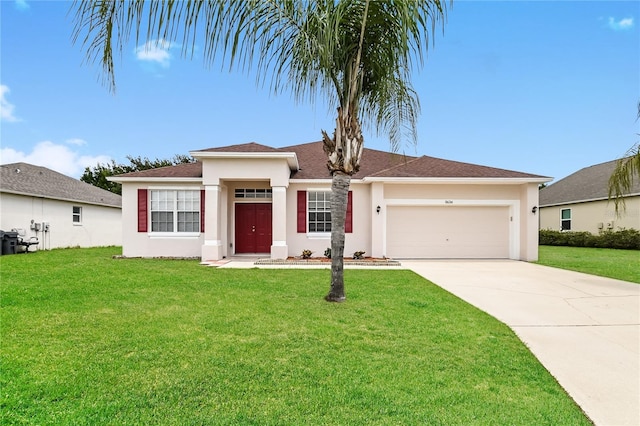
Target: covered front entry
432,232
252,228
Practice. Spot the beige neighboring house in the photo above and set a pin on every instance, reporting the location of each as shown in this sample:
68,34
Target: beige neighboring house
580,202
56,209
255,199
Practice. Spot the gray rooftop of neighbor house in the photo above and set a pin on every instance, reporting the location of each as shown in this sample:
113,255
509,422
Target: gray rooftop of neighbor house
36,181
588,184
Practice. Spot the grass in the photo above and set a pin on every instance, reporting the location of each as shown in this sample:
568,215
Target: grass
619,264
87,339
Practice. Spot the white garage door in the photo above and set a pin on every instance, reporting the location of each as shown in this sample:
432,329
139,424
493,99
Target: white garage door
462,232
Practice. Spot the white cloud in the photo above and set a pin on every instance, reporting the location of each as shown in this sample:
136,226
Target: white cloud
155,51
76,141
620,25
55,157
22,5
6,109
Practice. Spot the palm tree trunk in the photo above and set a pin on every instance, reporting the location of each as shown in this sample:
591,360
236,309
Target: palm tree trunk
344,151
339,194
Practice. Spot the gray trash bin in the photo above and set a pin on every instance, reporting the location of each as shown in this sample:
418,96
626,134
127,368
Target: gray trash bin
9,242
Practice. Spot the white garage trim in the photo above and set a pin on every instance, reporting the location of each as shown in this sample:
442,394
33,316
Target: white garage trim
514,216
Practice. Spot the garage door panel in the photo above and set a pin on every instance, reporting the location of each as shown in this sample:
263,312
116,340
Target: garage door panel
448,232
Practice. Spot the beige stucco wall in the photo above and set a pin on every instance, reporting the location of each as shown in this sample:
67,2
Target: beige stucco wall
275,171
100,226
451,191
145,244
228,230
222,176
520,198
588,216
358,240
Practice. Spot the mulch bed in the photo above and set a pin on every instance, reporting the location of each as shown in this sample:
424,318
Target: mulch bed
367,261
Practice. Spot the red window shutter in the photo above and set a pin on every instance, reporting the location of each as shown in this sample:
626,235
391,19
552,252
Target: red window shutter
143,215
302,211
202,210
348,222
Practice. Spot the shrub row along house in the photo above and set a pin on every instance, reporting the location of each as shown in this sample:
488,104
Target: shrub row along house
57,210
255,199
580,202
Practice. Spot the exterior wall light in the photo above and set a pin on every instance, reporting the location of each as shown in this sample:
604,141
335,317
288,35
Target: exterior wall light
378,209
534,209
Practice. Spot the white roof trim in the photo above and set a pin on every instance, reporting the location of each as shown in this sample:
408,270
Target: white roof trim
67,200
458,180
327,180
291,157
589,200
123,179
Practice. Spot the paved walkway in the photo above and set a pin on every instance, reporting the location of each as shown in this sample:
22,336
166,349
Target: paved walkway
584,329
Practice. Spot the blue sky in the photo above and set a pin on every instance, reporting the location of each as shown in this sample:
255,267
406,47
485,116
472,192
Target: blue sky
540,87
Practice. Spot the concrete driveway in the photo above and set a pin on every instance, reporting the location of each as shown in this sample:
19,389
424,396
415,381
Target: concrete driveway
584,329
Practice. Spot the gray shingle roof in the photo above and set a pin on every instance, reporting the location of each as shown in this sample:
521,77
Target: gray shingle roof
438,168
27,179
184,170
588,184
374,163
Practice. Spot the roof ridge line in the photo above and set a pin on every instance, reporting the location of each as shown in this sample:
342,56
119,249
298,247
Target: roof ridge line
397,165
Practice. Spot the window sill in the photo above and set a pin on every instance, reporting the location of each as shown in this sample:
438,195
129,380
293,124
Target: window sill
173,234
319,235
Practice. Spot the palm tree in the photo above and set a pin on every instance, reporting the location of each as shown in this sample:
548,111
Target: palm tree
626,170
356,54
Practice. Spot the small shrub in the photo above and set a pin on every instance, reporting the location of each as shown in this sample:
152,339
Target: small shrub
628,239
358,255
306,254
327,253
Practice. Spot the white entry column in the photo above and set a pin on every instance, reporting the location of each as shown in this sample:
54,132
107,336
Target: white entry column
279,249
212,248
378,220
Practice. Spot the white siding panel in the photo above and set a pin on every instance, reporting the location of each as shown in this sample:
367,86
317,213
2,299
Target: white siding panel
448,232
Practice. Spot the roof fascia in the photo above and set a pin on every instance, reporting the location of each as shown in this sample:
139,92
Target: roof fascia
448,180
291,157
69,200
566,203
307,181
154,179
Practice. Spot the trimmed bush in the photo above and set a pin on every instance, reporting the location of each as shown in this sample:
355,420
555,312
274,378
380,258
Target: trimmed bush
628,239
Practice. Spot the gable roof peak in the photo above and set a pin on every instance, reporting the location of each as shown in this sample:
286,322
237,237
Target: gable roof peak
243,147
31,180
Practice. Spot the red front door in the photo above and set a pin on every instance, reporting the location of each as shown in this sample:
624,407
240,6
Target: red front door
253,228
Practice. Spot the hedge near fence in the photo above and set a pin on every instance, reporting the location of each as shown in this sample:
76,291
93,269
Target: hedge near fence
628,239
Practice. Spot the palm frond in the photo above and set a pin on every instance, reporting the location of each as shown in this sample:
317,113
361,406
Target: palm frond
622,178
356,54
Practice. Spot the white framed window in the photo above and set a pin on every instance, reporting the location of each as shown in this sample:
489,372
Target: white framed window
253,193
319,211
175,211
76,215
565,219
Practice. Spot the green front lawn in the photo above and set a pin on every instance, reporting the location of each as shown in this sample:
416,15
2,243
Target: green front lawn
87,339
619,264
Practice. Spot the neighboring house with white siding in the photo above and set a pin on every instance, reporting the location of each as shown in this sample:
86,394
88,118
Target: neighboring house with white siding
256,199
57,209
580,202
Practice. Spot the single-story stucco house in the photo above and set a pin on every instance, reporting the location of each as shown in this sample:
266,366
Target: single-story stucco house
255,199
57,210
580,202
